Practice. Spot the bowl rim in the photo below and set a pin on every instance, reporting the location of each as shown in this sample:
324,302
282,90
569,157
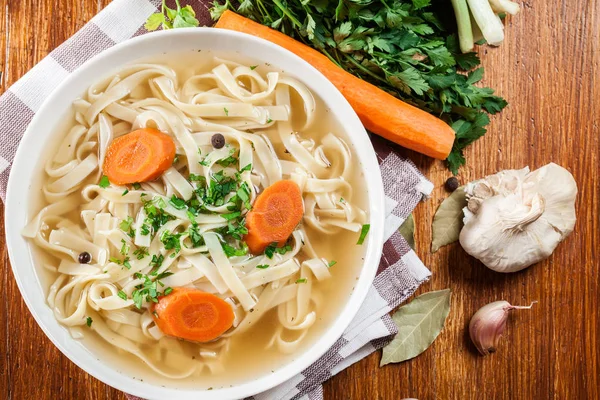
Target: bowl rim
19,192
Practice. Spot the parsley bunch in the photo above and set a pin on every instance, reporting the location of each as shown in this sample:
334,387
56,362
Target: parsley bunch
401,46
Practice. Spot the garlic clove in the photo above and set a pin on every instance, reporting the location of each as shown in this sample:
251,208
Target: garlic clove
488,323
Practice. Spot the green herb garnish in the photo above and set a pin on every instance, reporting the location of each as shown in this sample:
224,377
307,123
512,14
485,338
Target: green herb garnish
136,186
302,280
168,18
88,321
262,266
226,111
122,295
331,263
177,202
363,233
104,182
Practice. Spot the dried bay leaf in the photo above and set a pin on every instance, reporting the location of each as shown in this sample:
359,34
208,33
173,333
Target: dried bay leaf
407,230
447,221
419,323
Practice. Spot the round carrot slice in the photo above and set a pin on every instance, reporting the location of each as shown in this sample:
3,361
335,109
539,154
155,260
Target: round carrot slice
140,156
274,216
192,314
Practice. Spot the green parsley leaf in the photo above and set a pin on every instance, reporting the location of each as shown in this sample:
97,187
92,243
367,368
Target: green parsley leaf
104,182
154,21
136,186
177,202
226,111
88,321
253,67
262,266
168,291
125,225
302,280
230,216
122,295
331,263
124,247
125,192
363,233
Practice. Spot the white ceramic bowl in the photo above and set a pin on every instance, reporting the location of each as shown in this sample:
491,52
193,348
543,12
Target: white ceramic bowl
54,109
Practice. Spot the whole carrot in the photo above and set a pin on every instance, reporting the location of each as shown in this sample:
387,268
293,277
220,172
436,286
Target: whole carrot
379,111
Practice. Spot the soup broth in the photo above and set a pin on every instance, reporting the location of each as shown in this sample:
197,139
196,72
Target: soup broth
266,344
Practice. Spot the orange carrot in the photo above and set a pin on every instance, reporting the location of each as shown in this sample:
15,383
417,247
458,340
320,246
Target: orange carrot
380,112
140,156
274,215
191,314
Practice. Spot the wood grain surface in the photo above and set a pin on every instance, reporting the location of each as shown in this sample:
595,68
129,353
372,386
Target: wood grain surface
548,69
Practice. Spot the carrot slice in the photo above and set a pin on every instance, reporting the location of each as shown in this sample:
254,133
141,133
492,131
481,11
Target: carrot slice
380,112
274,215
191,314
140,156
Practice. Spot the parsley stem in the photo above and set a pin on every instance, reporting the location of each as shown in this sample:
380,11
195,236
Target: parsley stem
364,69
287,13
331,58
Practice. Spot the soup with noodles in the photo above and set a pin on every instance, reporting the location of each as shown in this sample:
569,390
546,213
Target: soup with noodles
200,222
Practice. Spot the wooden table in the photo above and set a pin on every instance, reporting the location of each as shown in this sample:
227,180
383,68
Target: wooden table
548,70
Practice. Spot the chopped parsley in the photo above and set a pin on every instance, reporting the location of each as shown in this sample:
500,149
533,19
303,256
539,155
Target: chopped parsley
269,121
104,182
253,67
331,263
136,186
126,263
272,249
231,251
230,216
363,233
156,262
177,202
226,111
168,291
171,240
125,192
124,247
195,236
262,266
302,280
141,252
122,295
88,321
125,225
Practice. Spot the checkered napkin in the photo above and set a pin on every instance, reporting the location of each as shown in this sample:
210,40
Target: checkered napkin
400,270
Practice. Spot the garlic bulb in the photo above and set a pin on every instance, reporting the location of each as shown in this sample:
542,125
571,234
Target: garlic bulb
516,218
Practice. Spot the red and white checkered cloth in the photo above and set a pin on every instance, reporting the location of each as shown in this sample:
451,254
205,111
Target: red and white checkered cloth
400,270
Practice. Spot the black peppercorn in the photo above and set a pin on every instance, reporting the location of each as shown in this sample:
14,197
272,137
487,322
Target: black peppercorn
451,184
217,140
84,258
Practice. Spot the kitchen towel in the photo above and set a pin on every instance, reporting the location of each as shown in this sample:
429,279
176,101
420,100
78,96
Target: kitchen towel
400,271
